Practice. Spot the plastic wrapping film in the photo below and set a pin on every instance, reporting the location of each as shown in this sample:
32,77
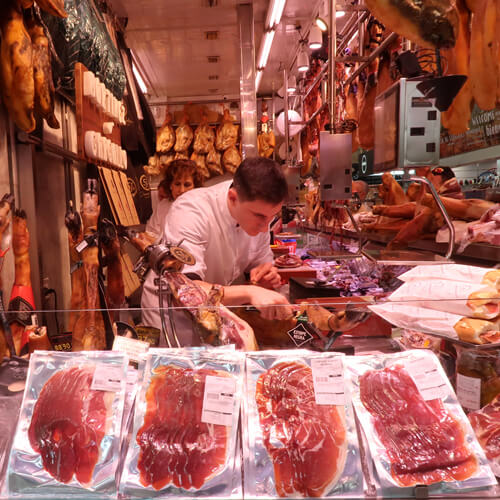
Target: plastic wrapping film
434,418
300,431
12,382
81,37
50,426
181,476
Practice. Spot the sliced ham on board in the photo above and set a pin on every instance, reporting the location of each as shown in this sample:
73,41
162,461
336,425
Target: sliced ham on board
68,424
424,441
176,446
306,441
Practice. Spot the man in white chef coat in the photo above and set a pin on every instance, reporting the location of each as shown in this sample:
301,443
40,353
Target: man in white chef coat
226,228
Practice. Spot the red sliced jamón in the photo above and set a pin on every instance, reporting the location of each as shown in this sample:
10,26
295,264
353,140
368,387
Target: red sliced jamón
486,425
305,441
425,443
68,424
176,447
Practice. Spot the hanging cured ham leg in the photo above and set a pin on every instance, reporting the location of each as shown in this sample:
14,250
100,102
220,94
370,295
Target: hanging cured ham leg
89,331
16,67
430,23
4,247
115,289
456,118
306,441
44,84
73,223
483,50
22,301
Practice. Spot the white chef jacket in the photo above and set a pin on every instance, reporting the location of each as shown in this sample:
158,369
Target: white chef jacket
156,222
222,249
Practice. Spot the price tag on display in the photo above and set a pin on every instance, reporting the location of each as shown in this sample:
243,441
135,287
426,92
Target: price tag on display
107,378
328,380
427,378
132,347
469,392
218,400
81,246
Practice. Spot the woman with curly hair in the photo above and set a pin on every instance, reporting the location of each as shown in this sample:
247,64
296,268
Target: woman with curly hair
181,176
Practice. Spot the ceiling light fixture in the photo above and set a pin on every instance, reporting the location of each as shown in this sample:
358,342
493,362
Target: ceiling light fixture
265,49
315,38
340,13
258,78
274,13
303,59
139,79
292,84
321,24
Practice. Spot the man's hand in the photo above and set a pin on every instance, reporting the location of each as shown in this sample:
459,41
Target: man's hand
265,275
271,305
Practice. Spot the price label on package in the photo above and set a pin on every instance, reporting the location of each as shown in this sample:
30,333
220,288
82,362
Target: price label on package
328,380
218,400
469,391
425,374
132,347
107,378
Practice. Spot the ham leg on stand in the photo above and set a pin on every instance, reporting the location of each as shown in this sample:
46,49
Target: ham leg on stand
5,237
115,289
89,332
73,223
21,301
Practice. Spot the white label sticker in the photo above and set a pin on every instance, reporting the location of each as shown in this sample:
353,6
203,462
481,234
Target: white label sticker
132,347
81,246
218,400
427,378
469,392
328,380
107,378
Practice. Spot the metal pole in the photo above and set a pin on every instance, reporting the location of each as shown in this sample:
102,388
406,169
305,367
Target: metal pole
248,101
451,227
287,132
332,39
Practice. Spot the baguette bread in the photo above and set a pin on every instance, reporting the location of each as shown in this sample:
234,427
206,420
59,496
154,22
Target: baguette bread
478,331
484,303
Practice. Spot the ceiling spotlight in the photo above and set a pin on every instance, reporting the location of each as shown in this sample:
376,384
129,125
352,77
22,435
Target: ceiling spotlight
302,60
315,38
292,84
340,13
321,24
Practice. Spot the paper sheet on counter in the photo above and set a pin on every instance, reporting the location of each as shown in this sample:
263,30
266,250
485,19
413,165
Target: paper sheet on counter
454,272
457,297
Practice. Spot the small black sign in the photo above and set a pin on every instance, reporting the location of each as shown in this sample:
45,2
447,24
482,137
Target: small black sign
300,335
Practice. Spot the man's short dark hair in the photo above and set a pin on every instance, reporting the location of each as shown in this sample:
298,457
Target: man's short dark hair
260,179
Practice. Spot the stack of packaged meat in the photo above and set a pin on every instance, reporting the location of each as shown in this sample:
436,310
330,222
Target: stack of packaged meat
453,300
184,440
299,435
418,432
68,435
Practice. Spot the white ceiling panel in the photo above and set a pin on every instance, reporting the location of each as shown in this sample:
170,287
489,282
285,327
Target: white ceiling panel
168,39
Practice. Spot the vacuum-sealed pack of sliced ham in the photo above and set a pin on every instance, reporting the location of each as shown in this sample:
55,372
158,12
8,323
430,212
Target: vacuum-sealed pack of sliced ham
184,438
457,297
418,433
454,272
68,435
299,436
